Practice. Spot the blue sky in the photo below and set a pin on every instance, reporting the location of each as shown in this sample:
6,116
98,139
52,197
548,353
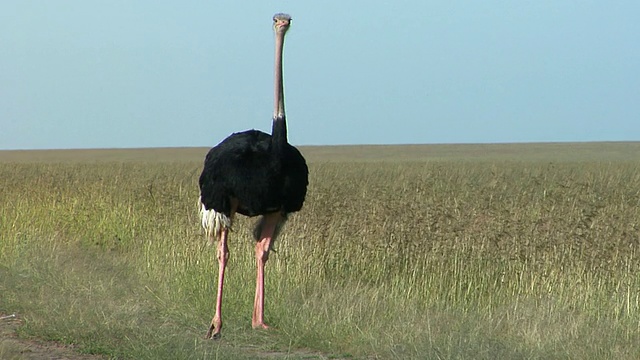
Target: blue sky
103,74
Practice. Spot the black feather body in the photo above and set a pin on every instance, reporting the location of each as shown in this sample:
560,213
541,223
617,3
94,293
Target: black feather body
265,176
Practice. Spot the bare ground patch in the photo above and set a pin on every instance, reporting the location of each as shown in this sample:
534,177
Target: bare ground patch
13,348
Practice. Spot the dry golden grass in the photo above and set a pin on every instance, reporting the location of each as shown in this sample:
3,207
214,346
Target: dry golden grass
450,251
603,151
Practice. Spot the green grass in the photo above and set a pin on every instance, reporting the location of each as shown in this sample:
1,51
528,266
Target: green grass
499,253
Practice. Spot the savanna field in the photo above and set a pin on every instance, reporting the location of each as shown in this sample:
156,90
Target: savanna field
527,251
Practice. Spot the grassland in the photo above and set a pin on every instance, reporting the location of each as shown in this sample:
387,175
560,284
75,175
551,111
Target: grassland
434,252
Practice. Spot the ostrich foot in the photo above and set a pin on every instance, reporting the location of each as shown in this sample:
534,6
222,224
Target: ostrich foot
214,330
260,325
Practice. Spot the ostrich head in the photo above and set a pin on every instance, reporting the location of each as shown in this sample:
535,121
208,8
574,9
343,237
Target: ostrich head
281,23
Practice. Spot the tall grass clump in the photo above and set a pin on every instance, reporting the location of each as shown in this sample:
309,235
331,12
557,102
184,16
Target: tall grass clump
421,259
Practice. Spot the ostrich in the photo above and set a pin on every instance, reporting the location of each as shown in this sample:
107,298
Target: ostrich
253,173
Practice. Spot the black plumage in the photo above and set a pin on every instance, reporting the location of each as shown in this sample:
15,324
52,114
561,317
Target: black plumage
247,166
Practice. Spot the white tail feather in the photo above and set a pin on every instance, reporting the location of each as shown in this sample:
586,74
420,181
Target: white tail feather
213,222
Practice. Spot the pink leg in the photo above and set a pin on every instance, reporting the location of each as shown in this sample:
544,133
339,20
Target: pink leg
223,256
262,255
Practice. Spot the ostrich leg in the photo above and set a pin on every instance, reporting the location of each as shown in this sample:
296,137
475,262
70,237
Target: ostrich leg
223,256
269,225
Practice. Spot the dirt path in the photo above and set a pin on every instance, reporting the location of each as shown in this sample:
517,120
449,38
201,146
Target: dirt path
14,348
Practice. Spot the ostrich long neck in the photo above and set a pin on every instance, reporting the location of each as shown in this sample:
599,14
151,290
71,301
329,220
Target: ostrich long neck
279,127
